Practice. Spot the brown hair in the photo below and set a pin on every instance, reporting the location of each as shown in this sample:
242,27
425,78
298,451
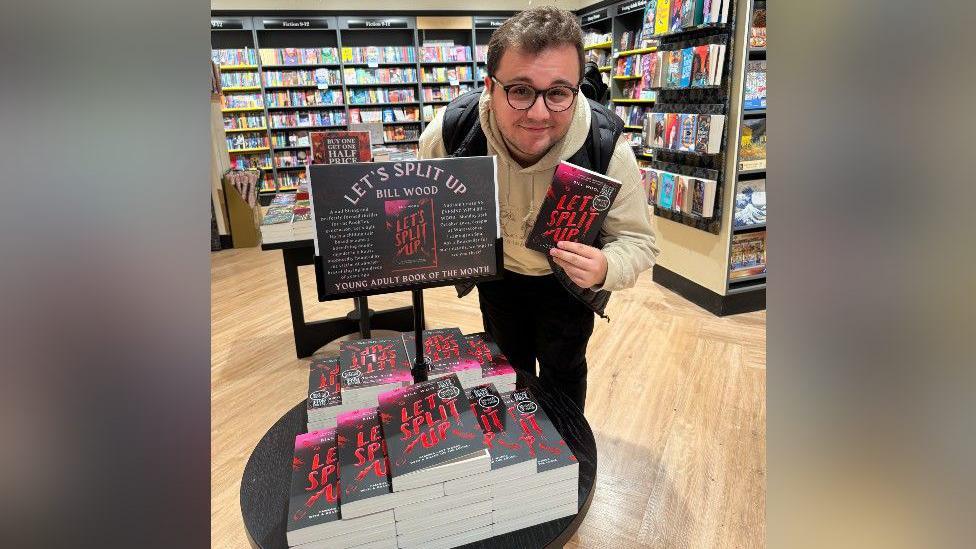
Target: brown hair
535,30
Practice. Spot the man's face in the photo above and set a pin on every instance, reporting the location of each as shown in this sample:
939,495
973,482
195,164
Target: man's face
529,134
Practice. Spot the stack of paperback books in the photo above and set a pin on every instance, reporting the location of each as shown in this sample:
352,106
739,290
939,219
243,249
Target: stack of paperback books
324,402
368,367
685,132
495,368
314,519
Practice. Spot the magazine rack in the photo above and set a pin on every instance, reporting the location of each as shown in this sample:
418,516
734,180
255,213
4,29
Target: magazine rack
266,481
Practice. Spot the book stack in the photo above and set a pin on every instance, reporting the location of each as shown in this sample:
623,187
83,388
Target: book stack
301,221
685,132
324,403
432,438
364,467
495,368
680,193
369,367
313,507
553,491
448,352
276,224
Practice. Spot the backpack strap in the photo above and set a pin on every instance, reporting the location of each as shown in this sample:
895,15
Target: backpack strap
461,130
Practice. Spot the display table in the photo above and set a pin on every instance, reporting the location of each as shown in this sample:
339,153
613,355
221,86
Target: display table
310,336
267,477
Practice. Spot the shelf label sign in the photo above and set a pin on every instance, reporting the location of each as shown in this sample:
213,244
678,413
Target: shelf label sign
595,16
631,6
296,23
223,24
488,23
378,24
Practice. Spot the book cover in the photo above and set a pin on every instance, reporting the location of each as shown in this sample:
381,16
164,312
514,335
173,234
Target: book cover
680,185
647,21
447,350
699,67
323,384
688,13
340,147
428,424
410,229
503,437
757,32
314,495
657,129
703,197
659,66
687,124
653,182
673,79
675,17
698,13
707,11
750,203
666,198
551,451
671,131
752,147
755,86
702,134
687,56
663,17
370,362
575,206
748,254
363,469
481,346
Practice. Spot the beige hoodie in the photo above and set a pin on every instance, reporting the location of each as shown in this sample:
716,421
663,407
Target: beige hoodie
627,236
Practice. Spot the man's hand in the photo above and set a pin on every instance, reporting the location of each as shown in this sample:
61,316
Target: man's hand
585,265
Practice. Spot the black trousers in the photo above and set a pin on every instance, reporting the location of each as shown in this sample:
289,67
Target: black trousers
534,317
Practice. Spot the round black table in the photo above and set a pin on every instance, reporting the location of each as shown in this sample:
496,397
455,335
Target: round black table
267,478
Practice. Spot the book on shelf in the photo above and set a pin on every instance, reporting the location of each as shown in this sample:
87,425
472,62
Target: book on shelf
750,203
671,130
662,20
757,31
748,255
687,132
708,135
647,20
665,198
341,147
674,19
755,85
430,434
752,145
574,208
650,179
655,129
702,197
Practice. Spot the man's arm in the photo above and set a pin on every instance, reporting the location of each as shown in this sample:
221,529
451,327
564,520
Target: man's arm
431,141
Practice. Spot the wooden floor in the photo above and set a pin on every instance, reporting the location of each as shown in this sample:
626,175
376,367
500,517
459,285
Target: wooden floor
676,400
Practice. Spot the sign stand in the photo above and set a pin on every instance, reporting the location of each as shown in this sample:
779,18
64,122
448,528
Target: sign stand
421,366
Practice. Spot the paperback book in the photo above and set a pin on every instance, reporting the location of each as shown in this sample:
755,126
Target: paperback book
363,468
314,500
448,353
551,451
430,435
748,255
366,363
752,147
750,203
574,209
323,388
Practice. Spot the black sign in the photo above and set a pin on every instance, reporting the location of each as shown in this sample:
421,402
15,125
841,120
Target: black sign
296,24
631,6
488,23
595,16
378,24
223,24
390,226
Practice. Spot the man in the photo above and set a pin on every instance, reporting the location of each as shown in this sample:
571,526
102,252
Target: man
533,117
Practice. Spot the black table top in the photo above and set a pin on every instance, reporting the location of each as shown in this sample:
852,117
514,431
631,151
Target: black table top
267,478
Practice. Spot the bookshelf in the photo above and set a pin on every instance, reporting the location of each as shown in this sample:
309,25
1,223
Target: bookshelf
750,172
241,102
483,27
695,251
597,25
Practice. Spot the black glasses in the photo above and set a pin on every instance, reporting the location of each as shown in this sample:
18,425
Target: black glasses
521,97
